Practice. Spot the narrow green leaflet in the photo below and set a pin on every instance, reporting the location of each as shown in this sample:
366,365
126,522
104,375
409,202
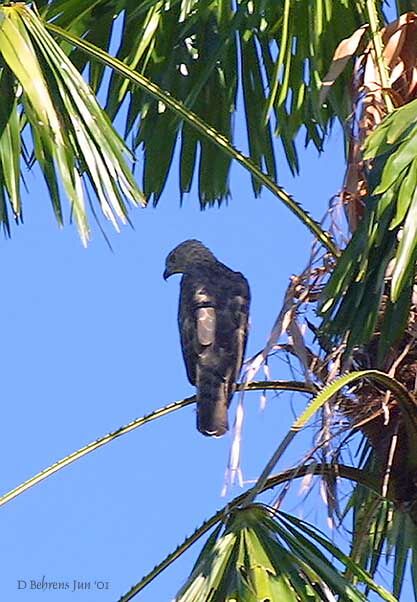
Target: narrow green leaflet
405,195
398,160
404,268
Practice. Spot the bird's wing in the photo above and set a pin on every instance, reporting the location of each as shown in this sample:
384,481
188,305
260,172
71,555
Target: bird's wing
197,323
234,330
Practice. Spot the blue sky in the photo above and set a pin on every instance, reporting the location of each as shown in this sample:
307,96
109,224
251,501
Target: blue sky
90,342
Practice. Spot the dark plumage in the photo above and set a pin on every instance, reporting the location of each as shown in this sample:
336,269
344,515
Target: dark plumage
213,322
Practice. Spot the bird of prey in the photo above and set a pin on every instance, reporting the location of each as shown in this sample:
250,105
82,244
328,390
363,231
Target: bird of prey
213,322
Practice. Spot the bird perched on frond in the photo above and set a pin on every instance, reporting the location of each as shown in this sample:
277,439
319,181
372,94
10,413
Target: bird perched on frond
213,322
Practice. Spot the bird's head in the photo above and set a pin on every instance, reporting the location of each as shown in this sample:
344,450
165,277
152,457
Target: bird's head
188,253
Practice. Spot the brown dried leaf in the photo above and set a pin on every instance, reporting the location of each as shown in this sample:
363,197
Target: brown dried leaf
343,53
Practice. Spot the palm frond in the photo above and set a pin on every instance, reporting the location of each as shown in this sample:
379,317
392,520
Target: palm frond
269,555
73,140
203,53
207,132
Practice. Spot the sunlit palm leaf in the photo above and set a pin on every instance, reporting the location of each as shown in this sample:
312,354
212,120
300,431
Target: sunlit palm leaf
269,555
73,140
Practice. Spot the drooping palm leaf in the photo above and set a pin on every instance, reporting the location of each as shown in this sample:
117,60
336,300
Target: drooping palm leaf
73,140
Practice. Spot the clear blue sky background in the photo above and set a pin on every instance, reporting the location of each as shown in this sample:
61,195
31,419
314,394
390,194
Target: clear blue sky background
90,342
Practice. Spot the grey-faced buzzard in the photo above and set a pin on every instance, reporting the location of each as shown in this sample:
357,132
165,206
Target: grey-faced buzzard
213,322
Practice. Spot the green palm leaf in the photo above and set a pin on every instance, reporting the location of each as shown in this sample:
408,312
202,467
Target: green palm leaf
268,555
73,140
388,231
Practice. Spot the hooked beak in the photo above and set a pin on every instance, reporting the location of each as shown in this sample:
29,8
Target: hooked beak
166,274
